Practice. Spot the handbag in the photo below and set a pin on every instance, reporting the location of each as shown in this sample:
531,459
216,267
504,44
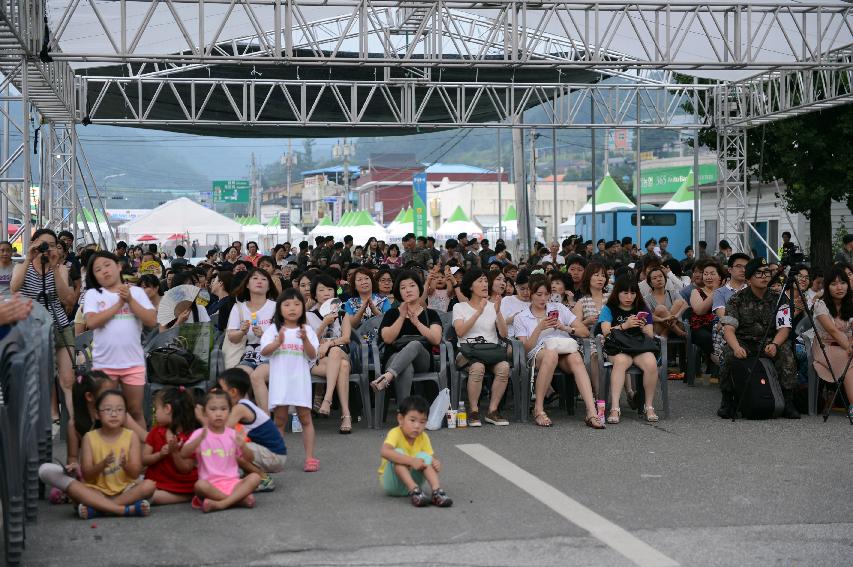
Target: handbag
563,345
233,352
479,350
632,344
171,364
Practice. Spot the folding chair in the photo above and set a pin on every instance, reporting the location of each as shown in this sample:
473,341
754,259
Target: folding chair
562,382
633,373
12,491
458,376
438,376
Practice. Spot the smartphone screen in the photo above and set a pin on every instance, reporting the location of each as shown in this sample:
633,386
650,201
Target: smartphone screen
553,314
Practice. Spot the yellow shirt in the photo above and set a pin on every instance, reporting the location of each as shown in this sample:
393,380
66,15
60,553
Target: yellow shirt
113,480
397,440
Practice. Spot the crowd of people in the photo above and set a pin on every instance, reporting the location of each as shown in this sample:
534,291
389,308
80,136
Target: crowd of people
290,314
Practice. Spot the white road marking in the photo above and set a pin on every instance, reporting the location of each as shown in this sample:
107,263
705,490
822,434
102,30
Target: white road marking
599,527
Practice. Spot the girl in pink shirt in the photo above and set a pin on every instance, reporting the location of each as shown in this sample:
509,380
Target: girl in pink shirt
216,448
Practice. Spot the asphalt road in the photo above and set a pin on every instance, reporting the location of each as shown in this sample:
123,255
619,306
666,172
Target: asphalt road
694,490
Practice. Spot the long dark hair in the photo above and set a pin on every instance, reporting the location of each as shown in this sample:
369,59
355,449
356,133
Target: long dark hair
91,282
846,311
290,293
183,408
86,382
626,283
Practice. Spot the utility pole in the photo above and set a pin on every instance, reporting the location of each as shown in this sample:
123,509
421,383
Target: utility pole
554,172
531,213
344,152
520,188
500,189
288,160
255,208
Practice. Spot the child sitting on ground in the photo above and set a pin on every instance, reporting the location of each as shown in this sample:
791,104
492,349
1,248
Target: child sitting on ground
216,449
265,440
407,457
174,475
110,463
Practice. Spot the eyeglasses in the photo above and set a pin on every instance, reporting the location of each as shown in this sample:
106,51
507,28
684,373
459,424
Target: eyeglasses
112,411
763,273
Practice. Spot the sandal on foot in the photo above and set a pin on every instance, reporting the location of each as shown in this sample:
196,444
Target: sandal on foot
650,414
382,382
325,405
542,420
315,404
346,425
87,512
138,509
311,465
594,422
614,419
197,503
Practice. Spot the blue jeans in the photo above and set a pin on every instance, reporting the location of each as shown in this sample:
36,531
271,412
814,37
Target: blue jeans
392,484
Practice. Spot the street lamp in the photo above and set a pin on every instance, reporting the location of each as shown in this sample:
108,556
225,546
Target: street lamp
344,151
288,160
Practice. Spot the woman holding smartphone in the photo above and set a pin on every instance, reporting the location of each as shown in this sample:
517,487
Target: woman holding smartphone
544,320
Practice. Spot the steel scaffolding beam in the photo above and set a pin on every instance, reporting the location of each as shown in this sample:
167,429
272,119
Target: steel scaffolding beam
667,34
306,103
60,178
733,173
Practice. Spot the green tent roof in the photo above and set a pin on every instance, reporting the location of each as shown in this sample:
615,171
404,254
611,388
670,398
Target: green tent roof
400,214
608,197
685,191
362,219
409,216
326,221
458,215
511,214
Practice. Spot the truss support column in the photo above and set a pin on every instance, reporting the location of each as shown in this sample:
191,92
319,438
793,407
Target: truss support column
25,141
59,184
732,165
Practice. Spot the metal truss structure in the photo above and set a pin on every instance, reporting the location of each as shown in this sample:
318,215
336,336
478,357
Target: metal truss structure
778,59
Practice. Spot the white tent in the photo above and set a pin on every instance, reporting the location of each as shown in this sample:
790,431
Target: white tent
456,224
362,227
567,228
183,216
398,229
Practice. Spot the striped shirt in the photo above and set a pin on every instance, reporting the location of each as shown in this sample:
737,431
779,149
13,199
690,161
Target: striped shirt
32,289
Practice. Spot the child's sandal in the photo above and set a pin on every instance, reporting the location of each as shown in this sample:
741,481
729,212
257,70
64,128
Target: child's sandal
311,465
87,512
138,509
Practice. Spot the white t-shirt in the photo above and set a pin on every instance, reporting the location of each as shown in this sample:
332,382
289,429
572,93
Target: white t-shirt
512,305
525,323
242,312
118,344
484,326
290,368
558,260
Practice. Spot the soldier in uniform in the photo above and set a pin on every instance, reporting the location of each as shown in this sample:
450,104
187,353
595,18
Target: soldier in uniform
751,315
413,253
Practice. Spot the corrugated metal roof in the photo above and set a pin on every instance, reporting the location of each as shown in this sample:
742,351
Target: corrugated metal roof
455,168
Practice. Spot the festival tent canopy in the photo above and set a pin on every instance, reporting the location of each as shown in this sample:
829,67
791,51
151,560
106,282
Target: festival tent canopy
362,227
456,223
324,228
181,216
683,197
510,225
608,197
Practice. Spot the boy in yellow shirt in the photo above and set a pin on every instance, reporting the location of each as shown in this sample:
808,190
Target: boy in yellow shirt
407,457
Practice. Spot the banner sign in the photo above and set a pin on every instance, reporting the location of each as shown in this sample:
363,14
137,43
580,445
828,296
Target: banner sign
419,199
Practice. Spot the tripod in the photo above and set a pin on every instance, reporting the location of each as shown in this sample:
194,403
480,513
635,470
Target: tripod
837,381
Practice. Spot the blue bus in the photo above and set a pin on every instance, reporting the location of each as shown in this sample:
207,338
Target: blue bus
677,225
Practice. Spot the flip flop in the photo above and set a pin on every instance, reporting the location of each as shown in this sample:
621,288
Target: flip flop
138,509
546,421
197,503
382,382
311,465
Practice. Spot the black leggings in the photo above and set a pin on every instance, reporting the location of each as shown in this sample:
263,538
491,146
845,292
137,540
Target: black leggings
702,338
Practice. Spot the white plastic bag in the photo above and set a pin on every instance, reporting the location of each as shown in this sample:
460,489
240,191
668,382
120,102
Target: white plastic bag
438,410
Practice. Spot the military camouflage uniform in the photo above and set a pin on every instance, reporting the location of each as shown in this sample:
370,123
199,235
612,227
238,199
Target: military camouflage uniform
420,256
751,316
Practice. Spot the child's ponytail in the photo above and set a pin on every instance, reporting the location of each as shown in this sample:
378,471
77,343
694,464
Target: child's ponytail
86,382
183,408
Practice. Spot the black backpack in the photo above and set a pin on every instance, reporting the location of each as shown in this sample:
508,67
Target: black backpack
757,388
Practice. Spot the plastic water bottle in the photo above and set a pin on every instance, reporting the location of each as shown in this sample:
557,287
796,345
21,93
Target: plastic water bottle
295,424
461,416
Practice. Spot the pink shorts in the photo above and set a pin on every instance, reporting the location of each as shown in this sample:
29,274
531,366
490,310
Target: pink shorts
134,376
226,485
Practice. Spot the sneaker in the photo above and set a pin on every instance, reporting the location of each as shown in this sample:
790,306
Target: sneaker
441,499
418,498
267,485
850,411
496,419
474,419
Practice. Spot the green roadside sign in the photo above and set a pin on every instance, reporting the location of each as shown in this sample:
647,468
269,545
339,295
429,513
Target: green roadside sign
232,191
